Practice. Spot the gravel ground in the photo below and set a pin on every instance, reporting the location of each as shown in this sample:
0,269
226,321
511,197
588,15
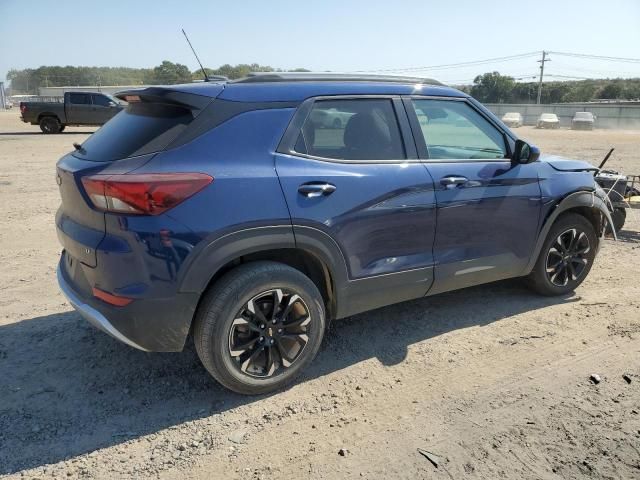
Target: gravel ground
492,381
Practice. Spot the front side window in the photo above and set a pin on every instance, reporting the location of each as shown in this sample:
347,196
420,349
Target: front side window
79,98
101,100
453,130
354,129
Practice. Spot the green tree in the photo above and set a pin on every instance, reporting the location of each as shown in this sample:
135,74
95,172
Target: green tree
493,88
169,73
611,91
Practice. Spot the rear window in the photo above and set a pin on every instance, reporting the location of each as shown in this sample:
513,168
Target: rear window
140,129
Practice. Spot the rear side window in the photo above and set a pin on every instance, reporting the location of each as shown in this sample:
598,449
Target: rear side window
79,98
139,129
358,129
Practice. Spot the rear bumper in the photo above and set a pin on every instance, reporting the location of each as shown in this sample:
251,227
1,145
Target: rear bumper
148,323
90,314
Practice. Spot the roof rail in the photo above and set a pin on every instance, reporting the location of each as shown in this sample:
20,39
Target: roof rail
260,77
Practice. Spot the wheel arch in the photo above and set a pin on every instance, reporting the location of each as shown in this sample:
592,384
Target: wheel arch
585,203
48,114
307,252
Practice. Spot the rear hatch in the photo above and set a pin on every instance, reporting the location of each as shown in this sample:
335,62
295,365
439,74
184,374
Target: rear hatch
154,118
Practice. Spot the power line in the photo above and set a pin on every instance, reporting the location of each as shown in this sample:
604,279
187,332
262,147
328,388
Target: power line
598,57
456,65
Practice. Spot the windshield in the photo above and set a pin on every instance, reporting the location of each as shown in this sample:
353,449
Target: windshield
512,115
584,115
548,116
139,129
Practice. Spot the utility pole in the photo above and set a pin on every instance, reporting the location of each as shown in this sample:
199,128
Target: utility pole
541,62
3,101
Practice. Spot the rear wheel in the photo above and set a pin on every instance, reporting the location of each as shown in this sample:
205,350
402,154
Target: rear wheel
50,125
259,327
566,256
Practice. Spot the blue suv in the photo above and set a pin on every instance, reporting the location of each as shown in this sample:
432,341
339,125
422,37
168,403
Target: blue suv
250,213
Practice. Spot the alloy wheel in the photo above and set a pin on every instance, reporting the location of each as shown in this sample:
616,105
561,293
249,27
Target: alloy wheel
567,258
269,333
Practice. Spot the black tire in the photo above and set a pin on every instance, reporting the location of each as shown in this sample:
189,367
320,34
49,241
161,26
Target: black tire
224,326
547,280
50,125
62,127
619,216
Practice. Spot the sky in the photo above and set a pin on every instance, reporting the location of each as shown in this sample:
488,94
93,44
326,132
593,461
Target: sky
336,35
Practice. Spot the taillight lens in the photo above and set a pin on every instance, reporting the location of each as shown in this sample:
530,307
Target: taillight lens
23,108
143,194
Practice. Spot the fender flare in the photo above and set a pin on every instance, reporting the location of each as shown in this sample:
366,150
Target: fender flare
576,199
48,114
208,259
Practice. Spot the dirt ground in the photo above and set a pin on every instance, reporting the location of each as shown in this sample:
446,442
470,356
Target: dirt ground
492,380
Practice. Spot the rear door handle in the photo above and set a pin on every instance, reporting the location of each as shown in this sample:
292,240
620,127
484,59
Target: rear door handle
452,181
316,189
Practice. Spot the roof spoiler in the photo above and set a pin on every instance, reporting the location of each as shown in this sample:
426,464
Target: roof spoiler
166,96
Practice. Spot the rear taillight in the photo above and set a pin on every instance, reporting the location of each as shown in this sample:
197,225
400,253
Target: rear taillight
23,108
143,194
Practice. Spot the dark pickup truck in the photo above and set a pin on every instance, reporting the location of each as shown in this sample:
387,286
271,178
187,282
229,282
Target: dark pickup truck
78,108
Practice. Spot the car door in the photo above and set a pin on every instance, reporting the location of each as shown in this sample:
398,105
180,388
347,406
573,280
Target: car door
102,108
355,177
487,209
79,109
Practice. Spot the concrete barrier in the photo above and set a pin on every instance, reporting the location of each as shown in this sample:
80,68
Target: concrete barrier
608,115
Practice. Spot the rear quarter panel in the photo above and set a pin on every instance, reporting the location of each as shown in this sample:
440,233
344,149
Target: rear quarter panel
245,193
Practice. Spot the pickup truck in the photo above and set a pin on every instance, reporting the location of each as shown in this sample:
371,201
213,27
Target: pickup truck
77,108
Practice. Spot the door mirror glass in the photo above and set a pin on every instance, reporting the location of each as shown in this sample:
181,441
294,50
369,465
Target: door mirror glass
525,153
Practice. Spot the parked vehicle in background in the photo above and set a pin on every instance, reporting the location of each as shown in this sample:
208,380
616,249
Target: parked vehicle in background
76,108
225,211
8,105
330,118
583,121
548,120
512,119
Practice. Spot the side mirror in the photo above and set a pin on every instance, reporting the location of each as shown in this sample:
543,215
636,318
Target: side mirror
524,153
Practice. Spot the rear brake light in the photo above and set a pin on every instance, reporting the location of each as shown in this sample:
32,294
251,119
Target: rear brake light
143,194
23,108
111,299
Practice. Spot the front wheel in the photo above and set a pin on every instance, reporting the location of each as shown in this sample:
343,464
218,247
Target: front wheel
566,256
259,326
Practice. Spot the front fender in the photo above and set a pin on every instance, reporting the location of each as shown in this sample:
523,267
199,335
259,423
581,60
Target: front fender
574,200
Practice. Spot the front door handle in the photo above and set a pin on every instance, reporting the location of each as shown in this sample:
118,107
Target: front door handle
311,190
452,181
